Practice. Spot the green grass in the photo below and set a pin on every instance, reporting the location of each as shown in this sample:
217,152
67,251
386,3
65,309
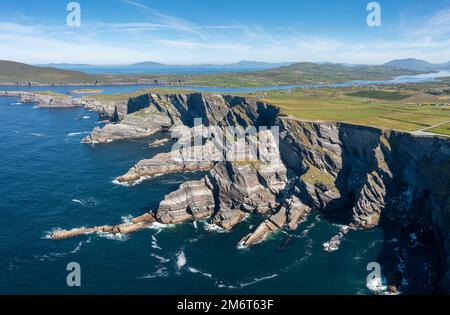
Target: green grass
18,72
442,129
124,97
387,111
382,95
51,93
299,73
336,105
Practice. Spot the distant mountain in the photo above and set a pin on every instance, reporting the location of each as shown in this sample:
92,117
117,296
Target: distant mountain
148,64
256,64
243,64
11,71
301,73
416,65
64,65
336,71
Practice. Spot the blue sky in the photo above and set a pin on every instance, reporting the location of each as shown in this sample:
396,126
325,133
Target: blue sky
218,31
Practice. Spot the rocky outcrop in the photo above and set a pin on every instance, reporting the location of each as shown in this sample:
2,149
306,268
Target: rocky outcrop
368,175
272,224
150,113
134,225
193,200
43,100
227,218
368,208
180,160
107,109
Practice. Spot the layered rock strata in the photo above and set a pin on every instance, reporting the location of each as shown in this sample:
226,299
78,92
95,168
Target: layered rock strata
366,174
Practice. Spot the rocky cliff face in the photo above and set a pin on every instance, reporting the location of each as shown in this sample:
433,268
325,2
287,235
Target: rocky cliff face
150,113
366,174
372,175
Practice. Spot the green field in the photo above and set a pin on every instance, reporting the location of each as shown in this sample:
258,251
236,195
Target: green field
298,73
383,95
337,105
352,105
442,129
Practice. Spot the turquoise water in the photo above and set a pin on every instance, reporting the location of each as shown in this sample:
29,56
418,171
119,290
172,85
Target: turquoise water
50,180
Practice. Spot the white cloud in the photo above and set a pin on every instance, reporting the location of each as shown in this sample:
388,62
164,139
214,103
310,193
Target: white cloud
169,39
171,21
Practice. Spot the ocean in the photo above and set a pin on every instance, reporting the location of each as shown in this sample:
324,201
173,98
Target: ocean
50,180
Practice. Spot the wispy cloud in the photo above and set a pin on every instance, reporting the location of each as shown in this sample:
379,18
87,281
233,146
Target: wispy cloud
437,26
170,21
170,39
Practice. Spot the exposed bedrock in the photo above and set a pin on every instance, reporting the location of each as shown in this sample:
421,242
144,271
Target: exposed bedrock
365,174
230,189
114,110
180,159
134,225
193,200
150,113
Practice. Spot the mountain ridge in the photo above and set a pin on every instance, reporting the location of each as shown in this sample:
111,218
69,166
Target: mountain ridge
416,64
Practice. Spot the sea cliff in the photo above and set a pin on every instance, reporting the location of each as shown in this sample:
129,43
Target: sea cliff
366,175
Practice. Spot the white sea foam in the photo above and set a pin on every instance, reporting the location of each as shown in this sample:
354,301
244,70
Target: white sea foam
376,285
72,134
80,244
211,227
160,258
50,256
37,134
194,270
55,256
78,201
160,273
116,182
126,218
155,243
334,243
86,202
115,237
160,226
195,224
305,232
181,259
137,182
240,285
48,234
256,280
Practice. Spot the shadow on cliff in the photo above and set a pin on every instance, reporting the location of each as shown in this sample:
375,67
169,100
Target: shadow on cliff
358,160
407,256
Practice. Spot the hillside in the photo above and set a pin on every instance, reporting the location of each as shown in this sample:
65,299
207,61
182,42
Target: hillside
416,65
12,72
298,73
